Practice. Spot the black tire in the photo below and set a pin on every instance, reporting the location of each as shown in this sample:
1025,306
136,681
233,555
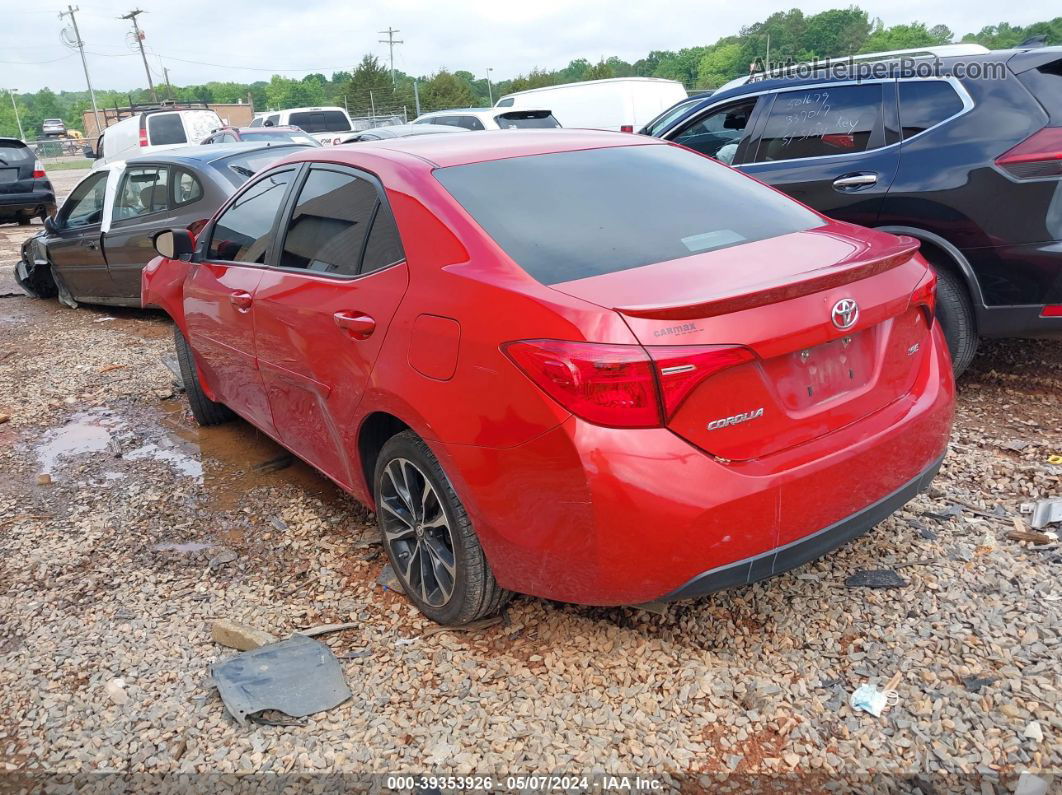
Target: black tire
24,220
205,410
474,593
956,317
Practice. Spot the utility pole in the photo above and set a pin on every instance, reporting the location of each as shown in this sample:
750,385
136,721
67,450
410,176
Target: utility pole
416,96
490,91
169,88
131,16
11,93
391,41
81,47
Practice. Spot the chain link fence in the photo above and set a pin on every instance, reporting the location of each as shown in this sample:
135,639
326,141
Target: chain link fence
53,151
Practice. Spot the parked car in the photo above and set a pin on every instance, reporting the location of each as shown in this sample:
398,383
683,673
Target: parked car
155,130
53,128
398,131
619,103
639,376
490,119
324,124
228,135
25,190
101,238
968,165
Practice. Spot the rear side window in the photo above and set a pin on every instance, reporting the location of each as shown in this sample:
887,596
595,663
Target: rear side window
329,223
186,187
14,154
468,122
925,104
571,215
384,247
534,119
826,120
319,121
505,103
165,128
242,233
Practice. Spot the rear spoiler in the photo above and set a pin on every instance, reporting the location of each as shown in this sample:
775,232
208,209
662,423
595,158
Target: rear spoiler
1033,59
835,275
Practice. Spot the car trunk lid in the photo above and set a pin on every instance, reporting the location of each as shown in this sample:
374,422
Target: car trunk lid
801,374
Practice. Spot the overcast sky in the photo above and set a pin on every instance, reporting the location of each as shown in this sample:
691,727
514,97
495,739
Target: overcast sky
253,39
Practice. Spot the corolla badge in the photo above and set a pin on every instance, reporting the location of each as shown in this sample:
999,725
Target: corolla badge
845,313
726,422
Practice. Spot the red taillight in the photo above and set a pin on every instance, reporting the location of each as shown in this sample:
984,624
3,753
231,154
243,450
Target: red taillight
197,226
621,386
627,128
1051,310
38,170
924,296
1039,155
143,137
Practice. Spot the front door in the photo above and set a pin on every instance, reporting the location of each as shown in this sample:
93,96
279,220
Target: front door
219,296
74,249
322,312
827,147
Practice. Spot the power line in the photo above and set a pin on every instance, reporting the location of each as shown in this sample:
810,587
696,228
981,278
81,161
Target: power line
391,41
81,48
131,16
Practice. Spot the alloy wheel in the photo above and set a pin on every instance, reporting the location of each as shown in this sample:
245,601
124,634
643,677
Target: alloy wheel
417,532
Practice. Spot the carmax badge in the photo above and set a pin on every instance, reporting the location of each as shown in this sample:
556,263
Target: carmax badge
737,419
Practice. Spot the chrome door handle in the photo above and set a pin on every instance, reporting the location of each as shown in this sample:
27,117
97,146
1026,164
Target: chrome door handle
855,181
241,300
358,325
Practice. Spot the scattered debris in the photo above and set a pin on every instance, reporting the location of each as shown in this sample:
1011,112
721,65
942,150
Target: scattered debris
389,580
1054,459
170,361
656,608
278,524
224,555
103,319
975,683
1015,445
4,418
122,614
1047,512
22,516
44,479
1034,732
869,699
275,464
1031,536
357,654
1029,784
942,516
875,578
115,690
239,636
273,717
324,629
471,626
298,676
405,641
110,367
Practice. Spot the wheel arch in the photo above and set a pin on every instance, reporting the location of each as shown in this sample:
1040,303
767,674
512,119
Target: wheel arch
948,254
375,430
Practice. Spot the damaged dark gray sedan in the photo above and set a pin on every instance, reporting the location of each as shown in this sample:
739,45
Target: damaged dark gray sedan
102,235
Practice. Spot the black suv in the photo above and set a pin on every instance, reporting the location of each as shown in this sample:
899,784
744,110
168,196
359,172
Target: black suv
25,190
956,146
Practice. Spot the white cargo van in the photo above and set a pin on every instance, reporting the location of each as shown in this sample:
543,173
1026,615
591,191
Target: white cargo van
151,131
324,124
618,103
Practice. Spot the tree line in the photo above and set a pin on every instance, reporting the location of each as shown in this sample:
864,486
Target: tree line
370,88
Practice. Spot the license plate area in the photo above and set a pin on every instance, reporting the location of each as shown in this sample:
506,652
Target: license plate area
8,175
809,377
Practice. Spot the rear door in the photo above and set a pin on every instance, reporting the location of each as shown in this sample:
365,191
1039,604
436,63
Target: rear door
219,295
829,147
322,312
74,250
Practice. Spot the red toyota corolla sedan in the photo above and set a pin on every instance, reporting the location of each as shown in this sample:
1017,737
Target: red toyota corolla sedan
587,366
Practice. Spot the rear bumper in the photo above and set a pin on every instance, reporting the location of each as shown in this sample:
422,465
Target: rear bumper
782,559
1017,321
13,203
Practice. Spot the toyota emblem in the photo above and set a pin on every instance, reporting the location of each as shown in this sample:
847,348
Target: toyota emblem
845,313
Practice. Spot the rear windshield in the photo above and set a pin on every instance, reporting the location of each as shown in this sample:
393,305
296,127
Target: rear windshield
237,169
319,121
265,134
571,215
12,153
526,119
166,128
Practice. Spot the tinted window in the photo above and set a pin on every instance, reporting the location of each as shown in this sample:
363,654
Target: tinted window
85,205
384,247
664,119
242,233
468,122
571,215
318,121
505,103
526,120
144,190
265,134
257,121
14,154
822,121
166,128
237,169
719,133
925,103
186,188
329,223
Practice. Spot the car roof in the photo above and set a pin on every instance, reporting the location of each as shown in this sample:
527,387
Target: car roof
442,151
402,130
8,141
200,154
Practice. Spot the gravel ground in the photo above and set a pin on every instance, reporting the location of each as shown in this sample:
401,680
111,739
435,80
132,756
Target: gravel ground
114,570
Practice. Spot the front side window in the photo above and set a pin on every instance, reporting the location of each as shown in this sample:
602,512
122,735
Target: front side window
825,120
166,128
925,104
144,190
243,232
661,122
720,132
585,213
329,223
320,121
85,205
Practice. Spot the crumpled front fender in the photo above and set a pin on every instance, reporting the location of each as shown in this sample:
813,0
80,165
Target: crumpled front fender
162,285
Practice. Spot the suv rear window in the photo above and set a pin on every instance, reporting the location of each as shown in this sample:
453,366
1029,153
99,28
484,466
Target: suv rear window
13,153
526,120
925,104
319,121
571,215
825,120
166,128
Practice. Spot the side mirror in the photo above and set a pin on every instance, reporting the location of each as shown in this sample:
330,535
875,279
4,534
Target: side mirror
89,152
174,243
50,226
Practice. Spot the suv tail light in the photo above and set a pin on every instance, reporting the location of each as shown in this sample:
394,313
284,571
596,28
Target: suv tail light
38,170
621,386
627,128
1038,156
143,137
1052,310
